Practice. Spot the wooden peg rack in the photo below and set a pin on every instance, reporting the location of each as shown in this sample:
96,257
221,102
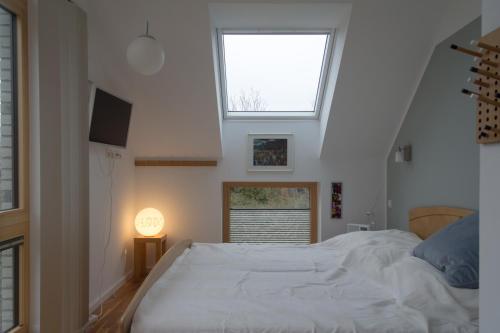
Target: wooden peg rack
488,114
487,85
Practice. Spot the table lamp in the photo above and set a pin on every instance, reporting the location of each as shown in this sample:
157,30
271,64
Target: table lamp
149,222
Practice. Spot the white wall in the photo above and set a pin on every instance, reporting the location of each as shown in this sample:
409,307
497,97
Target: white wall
191,198
458,14
434,177
386,48
117,264
59,161
118,222
489,198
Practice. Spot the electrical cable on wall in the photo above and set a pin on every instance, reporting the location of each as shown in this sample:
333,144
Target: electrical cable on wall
107,173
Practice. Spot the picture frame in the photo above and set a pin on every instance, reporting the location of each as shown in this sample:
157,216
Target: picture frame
336,205
270,152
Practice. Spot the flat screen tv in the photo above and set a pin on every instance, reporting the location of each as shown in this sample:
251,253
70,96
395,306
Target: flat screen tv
110,119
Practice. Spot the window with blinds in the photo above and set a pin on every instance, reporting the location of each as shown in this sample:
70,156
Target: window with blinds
8,112
9,284
281,213
14,166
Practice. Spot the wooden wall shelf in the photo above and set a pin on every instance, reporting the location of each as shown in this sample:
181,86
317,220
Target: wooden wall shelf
175,163
487,82
488,101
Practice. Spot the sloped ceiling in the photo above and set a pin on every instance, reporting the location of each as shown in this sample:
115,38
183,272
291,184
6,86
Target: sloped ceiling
387,49
175,112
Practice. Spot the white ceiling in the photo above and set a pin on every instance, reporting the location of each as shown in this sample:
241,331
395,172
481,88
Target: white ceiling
175,112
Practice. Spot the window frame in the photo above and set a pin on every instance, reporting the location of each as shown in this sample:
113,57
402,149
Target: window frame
297,115
15,222
226,203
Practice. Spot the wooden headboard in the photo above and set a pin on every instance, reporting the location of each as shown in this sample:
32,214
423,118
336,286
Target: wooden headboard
424,221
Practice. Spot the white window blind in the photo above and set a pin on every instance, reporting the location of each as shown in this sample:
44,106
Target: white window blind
270,226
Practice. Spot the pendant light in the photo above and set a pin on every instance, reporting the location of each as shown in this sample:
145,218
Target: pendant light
145,54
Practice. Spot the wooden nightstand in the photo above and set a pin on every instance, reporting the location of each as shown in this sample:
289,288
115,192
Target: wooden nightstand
160,242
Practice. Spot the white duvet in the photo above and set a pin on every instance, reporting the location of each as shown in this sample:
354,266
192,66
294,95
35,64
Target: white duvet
357,282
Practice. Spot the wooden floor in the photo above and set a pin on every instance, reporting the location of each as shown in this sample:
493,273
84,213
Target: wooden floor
114,307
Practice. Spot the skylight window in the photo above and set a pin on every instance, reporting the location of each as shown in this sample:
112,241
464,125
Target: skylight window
273,74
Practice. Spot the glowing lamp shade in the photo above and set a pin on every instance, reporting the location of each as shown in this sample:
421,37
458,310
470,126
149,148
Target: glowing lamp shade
149,222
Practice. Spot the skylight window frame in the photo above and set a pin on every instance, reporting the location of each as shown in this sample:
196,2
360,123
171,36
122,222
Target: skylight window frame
294,115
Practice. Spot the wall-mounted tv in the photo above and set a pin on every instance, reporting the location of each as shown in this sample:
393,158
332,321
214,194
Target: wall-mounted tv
110,119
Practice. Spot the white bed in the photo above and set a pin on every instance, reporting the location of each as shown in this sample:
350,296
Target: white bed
357,282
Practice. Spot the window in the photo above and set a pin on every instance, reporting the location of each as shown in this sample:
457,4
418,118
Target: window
8,108
270,213
9,284
14,190
273,74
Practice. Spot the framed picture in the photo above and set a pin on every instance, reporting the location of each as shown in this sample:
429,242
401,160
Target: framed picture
270,152
336,200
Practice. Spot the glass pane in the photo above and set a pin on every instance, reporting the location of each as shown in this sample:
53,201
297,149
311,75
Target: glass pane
269,198
270,215
8,288
8,109
273,72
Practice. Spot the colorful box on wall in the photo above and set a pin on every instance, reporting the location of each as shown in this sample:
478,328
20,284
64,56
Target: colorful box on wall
336,200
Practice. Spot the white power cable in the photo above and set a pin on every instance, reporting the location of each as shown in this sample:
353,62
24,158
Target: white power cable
108,174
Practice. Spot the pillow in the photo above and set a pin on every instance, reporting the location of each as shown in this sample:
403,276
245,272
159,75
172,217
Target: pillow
454,250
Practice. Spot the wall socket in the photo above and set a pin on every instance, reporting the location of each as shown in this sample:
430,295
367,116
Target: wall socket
113,154
389,203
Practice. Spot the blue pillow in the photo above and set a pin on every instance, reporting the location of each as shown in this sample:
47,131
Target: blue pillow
454,250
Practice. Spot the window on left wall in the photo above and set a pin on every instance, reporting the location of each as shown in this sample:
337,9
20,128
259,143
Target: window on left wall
14,190
9,283
8,111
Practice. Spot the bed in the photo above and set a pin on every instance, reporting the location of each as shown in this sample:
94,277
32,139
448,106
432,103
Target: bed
356,282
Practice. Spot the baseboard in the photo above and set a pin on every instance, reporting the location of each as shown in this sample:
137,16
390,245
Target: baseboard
107,293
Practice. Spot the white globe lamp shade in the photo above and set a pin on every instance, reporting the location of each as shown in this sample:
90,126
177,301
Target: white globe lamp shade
145,54
149,222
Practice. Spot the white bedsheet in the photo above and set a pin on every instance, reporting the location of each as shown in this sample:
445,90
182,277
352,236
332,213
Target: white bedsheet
357,282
